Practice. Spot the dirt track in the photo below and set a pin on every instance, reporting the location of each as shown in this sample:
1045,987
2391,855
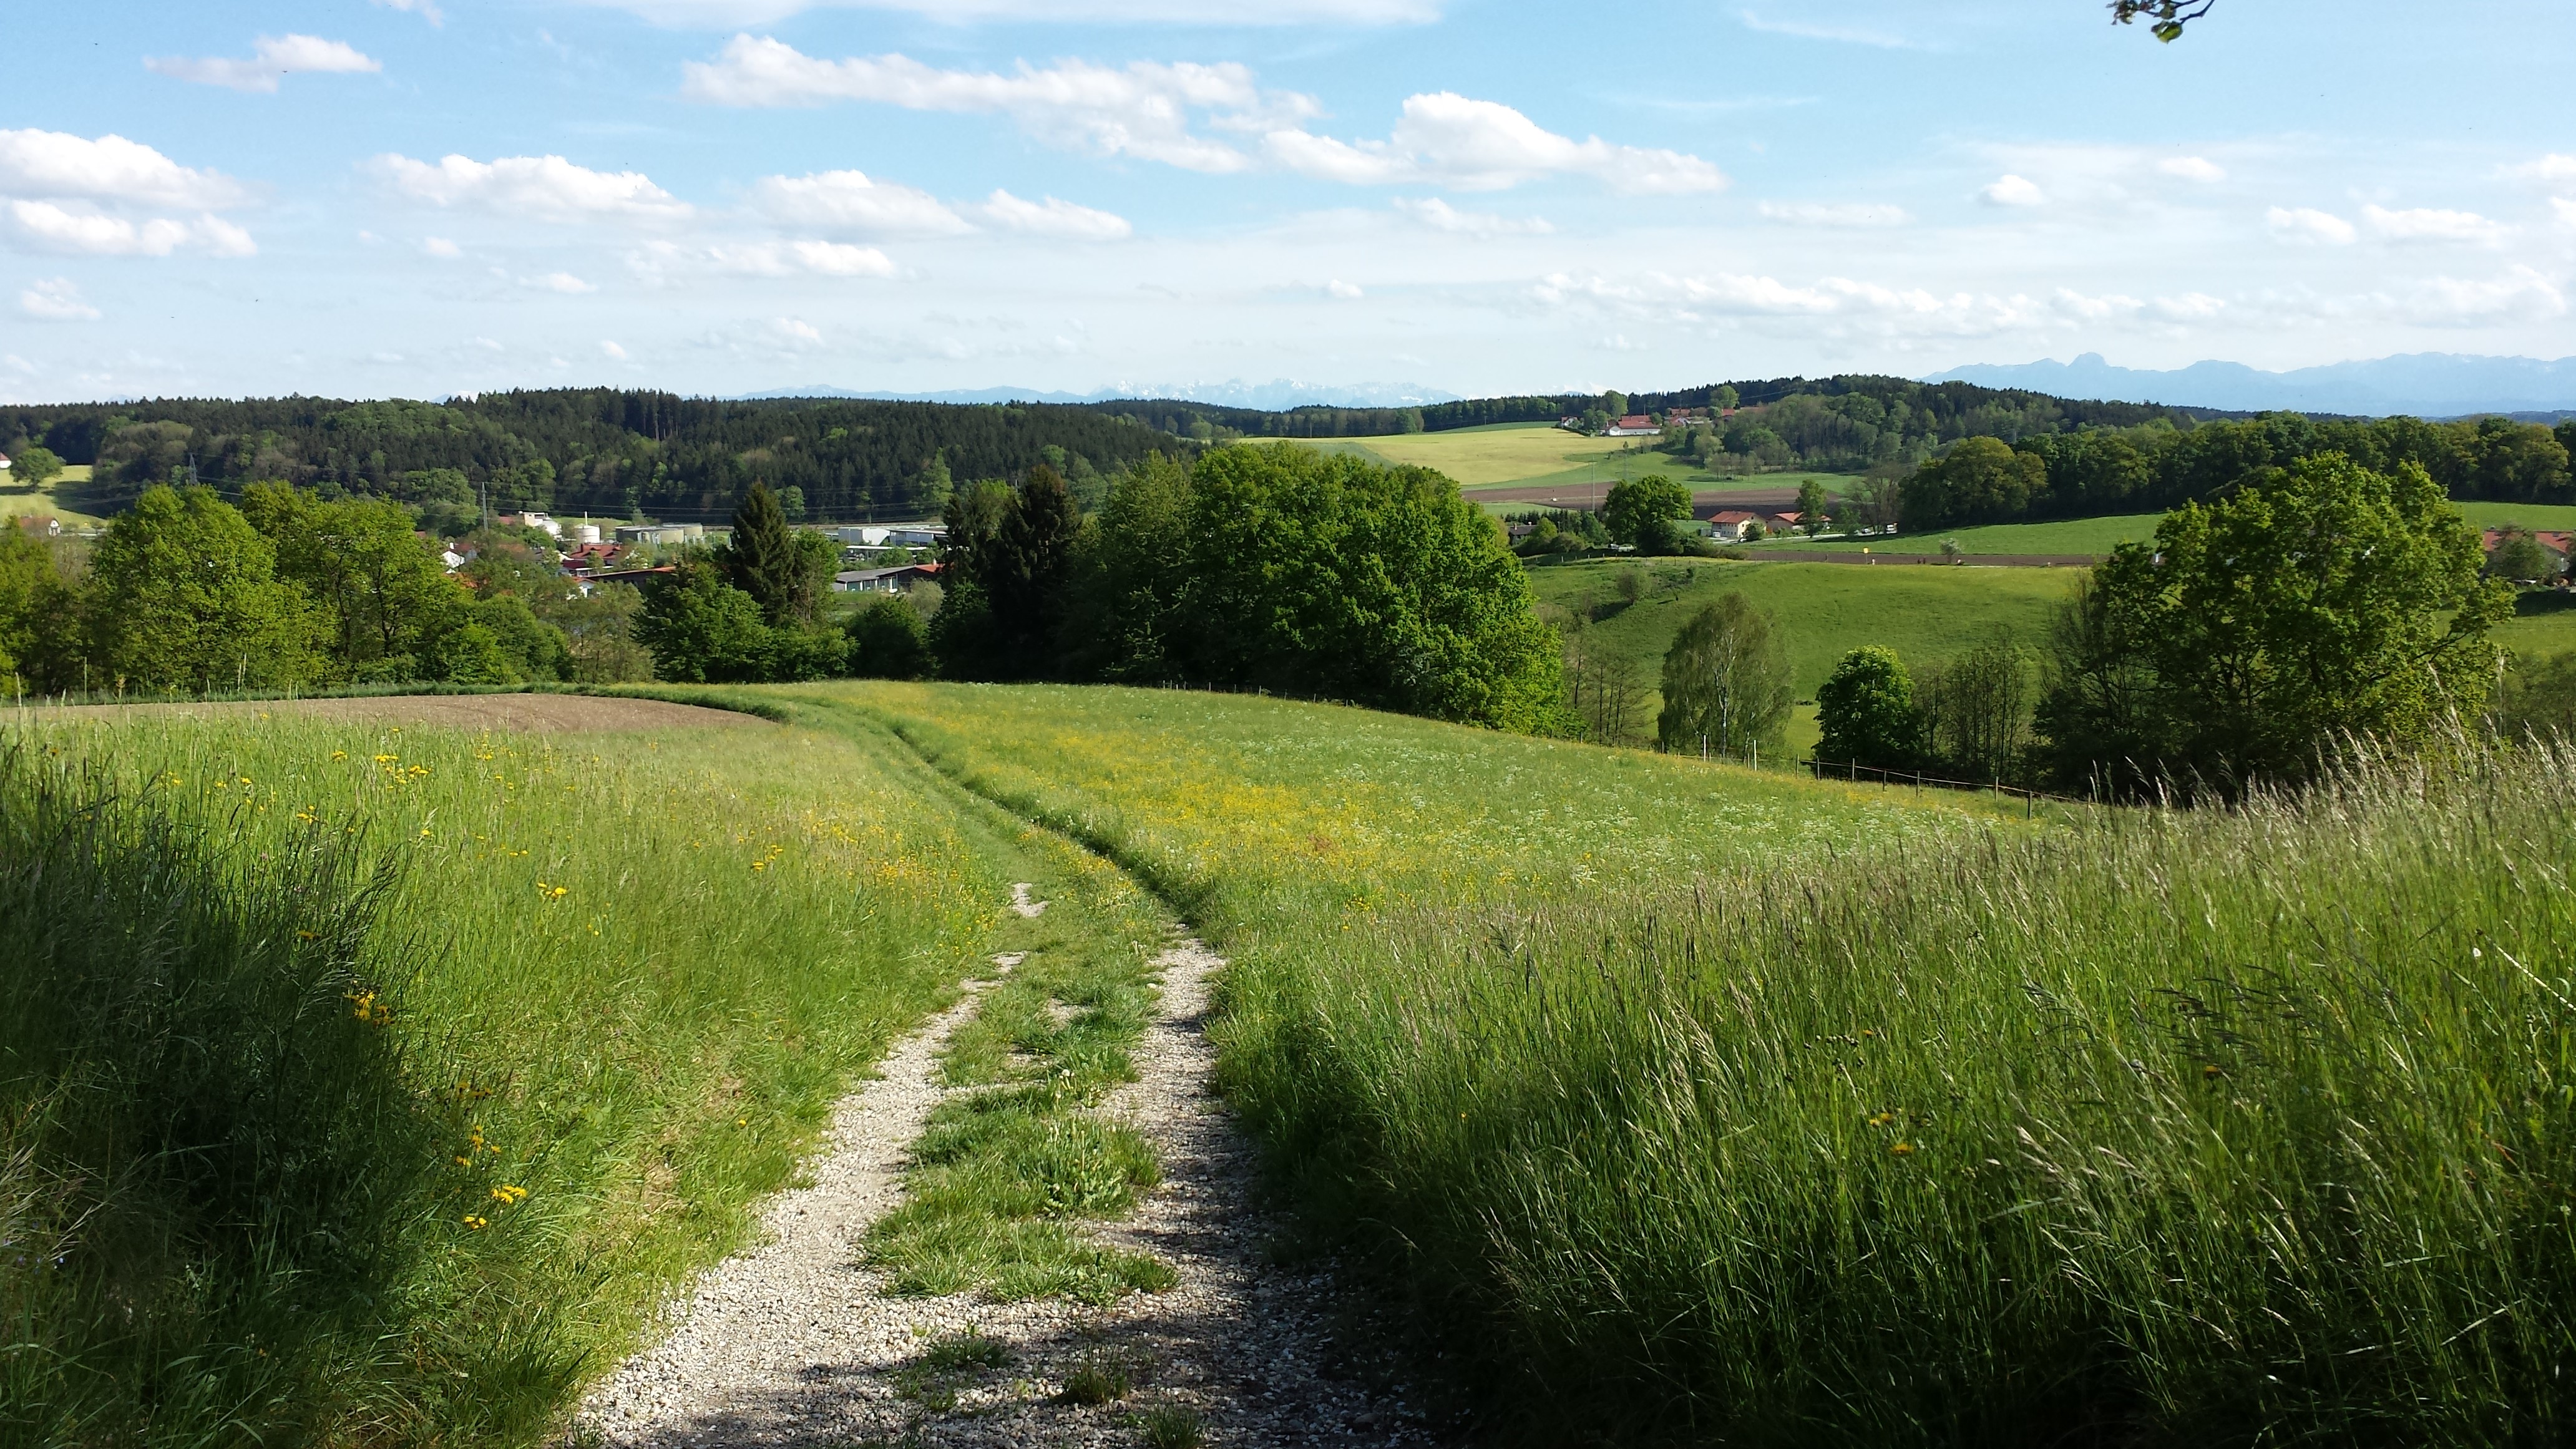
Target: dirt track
528,713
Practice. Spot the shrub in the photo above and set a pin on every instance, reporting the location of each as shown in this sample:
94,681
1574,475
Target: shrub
888,640
1867,713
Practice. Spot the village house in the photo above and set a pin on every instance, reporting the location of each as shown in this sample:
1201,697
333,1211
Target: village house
895,580
1634,425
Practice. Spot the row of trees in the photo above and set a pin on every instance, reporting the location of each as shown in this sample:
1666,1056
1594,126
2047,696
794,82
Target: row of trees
2322,602
187,593
2099,471
582,450
1254,567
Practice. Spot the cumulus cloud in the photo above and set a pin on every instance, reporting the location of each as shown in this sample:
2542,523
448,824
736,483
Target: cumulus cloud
1343,291
2192,168
732,14
849,201
2011,190
2189,307
1476,145
47,226
1439,215
660,261
2302,223
1834,214
57,165
793,331
612,351
2555,169
441,247
56,299
2566,211
2429,224
426,9
2520,294
1143,110
564,282
548,187
272,58
1055,218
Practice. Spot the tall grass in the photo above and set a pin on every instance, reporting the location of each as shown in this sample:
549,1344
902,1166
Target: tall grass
381,1082
2191,1128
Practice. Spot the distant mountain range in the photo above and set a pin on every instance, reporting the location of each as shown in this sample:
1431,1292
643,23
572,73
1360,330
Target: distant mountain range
1277,395
2425,384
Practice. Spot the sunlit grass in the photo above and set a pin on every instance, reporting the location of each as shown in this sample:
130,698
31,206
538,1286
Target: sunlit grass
621,978
1841,1118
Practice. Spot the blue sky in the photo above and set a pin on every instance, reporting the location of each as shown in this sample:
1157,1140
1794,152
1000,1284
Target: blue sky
416,197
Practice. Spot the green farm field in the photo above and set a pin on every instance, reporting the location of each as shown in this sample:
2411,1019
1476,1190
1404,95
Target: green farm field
1698,1104
17,501
529,1018
1533,455
1925,613
2101,535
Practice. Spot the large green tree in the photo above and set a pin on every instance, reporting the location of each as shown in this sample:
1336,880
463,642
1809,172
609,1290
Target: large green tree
2327,601
1325,575
1980,480
386,600
36,616
183,594
1027,566
1867,712
703,630
1726,683
761,558
1645,512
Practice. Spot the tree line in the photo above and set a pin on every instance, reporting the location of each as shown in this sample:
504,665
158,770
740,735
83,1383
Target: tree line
185,592
597,451
1268,567
2316,607
2095,471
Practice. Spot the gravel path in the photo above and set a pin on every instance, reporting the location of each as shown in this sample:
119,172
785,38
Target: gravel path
793,1343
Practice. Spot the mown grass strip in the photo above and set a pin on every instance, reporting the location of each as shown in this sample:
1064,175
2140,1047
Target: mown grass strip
1010,1168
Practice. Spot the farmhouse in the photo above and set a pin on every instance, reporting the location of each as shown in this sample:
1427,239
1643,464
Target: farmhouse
884,581
1728,524
1634,425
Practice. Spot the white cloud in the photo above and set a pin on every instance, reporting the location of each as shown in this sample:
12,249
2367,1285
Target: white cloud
1054,218
2566,210
2302,223
564,282
111,168
272,58
2189,307
792,330
548,187
658,261
2553,169
1477,145
1834,214
1144,110
849,201
2097,309
1831,305
56,299
2192,168
2010,190
2428,224
730,14
839,259
2520,294
612,350
439,246
1439,215
1847,34
49,227
426,9
1343,291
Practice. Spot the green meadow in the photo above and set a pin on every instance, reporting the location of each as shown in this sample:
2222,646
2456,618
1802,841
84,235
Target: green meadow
1535,454
1689,1104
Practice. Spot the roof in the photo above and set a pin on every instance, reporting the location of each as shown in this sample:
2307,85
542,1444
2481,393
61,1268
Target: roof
1636,420
1733,515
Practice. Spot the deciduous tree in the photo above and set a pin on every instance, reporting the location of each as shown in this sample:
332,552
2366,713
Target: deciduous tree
183,594
1643,512
1867,712
1726,683
2327,600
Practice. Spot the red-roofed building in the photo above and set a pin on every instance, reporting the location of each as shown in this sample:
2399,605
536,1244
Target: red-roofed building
1634,425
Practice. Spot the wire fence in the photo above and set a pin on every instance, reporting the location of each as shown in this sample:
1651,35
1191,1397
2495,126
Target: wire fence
1852,770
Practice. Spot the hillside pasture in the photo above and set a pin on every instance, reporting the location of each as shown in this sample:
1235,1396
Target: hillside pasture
1698,1106
451,1051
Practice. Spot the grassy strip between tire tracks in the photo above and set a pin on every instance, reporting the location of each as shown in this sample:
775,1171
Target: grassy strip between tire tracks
2211,1128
